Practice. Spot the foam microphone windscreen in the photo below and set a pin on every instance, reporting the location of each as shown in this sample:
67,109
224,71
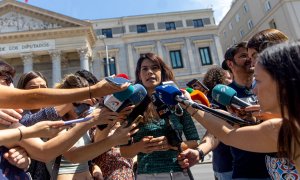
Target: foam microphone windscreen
168,93
123,76
200,96
138,95
223,94
123,95
189,90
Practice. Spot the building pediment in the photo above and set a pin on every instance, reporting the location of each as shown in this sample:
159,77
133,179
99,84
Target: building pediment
22,22
17,22
19,17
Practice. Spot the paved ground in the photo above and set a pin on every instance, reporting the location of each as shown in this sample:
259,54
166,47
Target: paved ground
203,172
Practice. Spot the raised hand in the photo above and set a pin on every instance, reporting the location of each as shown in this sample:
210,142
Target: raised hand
105,86
9,116
188,158
123,134
46,129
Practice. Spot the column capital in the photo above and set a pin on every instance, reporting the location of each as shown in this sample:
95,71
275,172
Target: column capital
27,58
54,53
82,51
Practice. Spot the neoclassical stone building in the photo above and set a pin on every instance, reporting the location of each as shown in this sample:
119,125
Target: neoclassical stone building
32,38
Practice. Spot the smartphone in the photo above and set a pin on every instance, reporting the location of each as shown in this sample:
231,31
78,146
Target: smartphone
116,80
74,121
196,84
80,109
138,119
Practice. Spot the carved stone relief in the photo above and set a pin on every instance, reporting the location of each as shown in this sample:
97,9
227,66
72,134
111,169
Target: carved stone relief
15,22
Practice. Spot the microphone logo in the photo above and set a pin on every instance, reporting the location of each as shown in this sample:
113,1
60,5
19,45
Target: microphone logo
112,103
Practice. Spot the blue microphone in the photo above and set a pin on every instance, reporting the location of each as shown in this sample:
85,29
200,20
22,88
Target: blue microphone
225,95
170,95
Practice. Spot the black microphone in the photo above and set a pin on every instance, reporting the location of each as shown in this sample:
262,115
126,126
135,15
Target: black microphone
162,109
173,135
225,95
171,95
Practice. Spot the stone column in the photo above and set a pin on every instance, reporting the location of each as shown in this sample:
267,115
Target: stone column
130,61
27,62
96,65
84,59
159,49
219,50
56,66
190,55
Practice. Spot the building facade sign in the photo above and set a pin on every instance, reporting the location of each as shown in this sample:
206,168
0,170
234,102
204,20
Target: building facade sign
27,46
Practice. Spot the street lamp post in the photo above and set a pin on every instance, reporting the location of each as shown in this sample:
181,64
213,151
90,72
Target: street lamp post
107,60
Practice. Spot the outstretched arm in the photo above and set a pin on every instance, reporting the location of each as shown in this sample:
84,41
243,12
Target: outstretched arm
38,98
257,138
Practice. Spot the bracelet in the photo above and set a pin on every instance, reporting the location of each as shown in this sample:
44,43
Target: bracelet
90,93
194,112
201,154
21,134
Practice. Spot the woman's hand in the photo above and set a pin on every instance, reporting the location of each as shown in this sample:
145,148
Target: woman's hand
96,172
46,129
260,115
150,144
18,157
9,116
123,134
109,88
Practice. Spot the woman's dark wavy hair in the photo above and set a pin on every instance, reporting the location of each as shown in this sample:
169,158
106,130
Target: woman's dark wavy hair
145,108
282,62
6,69
166,72
214,76
72,81
26,77
266,38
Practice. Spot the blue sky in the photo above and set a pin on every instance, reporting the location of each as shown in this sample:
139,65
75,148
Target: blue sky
100,9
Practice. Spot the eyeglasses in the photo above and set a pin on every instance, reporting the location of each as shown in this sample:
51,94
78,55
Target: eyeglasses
6,80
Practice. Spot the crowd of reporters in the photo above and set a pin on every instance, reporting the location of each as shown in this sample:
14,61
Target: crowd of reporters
248,106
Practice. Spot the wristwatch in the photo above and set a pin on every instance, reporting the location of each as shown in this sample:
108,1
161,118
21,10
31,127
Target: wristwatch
201,154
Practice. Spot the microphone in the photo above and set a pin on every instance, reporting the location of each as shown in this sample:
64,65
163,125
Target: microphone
136,97
161,108
171,95
173,136
178,111
225,95
115,101
198,95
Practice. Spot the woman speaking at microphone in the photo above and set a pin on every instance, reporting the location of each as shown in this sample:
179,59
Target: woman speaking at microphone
277,76
156,157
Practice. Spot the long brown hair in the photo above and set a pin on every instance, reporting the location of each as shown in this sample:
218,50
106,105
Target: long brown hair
166,75
282,62
166,72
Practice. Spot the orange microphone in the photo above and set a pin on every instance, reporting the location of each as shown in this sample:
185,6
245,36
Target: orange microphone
199,96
